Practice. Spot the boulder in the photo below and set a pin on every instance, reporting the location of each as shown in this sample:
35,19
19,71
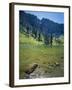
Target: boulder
30,70
57,64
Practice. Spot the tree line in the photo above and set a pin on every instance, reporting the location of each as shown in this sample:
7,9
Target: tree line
39,36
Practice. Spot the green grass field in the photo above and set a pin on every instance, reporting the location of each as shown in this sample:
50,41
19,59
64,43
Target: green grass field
50,60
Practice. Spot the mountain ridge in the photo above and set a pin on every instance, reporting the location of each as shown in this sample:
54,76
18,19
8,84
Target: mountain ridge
44,26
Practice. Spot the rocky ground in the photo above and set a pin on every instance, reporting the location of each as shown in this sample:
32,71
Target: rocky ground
38,72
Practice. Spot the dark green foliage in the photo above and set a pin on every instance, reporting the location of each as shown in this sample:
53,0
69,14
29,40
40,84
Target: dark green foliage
27,31
41,30
46,40
58,41
39,37
51,39
34,33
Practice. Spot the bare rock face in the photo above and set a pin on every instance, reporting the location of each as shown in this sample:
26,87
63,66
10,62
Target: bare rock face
30,70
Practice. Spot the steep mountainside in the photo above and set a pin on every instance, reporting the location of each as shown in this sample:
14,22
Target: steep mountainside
44,26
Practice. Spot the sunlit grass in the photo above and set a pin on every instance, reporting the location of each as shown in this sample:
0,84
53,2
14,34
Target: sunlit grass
32,51
24,39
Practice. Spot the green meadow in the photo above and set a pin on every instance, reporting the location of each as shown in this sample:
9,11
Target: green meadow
50,60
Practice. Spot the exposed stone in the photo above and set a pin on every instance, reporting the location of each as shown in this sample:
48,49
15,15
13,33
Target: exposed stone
33,67
57,64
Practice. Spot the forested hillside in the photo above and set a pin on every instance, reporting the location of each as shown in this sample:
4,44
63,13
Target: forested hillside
42,30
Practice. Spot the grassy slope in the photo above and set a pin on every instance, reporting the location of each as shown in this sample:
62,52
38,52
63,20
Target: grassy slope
32,51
